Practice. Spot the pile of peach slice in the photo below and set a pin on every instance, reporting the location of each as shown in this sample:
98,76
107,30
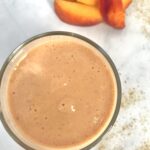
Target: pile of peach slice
91,12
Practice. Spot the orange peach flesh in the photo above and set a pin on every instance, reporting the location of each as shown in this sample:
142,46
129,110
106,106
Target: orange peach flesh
88,2
77,13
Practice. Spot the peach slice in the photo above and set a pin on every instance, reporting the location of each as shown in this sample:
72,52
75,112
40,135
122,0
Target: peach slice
77,13
113,13
126,3
88,2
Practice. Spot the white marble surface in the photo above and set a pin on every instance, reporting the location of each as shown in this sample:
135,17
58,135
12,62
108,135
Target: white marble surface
129,49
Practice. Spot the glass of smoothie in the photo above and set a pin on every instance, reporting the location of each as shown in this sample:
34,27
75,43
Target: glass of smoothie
59,91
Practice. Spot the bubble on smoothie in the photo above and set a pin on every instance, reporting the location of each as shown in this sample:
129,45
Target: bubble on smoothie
35,110
35,118
95,119
97,110
43,128
73,108
52,47
30,108
92,67
15,68
67,105
45,118
13,93
54,76
37,123
58,135
17,118
65,84
59,128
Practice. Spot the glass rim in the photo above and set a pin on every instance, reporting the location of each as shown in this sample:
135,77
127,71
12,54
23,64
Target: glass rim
102,51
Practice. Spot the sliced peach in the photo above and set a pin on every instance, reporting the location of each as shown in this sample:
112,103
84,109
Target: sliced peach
113,13
88,2
77,13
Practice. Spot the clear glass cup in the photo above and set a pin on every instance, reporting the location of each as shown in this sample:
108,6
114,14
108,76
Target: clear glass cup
19,48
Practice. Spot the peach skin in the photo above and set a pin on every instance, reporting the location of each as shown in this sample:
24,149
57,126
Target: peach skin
113,13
